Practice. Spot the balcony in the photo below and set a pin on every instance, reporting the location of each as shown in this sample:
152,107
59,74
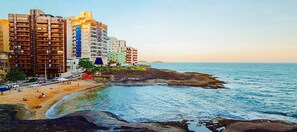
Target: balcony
42,31
23,44
41,36
11,35
55,67
56,31
22,21
23,30
57,62
22,25
42,40
25,54
43,57
18,39
57,36
56,26
42,62
56,45
57,40
42,43
58,58
42,53
23,34
25,68
40,21
57,23
11,24
27,58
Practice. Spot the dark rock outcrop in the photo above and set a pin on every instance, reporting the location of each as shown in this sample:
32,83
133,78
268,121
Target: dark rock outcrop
172,78
82,121
231,125
10,112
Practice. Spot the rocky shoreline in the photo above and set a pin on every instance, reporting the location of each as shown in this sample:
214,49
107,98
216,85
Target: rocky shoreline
17,118
14,119
260,125
163,76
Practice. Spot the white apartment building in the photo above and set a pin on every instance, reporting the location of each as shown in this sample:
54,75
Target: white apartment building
86,38
116,50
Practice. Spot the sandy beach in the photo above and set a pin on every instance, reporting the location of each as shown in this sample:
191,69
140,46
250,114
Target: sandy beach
53,93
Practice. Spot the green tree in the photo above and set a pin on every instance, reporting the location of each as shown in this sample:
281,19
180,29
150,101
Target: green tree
86,63
100,69
15,75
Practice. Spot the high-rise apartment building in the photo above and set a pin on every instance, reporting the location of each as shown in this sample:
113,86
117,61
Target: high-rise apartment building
4,48
131,56
37,43
86,38
116,50
4,35
116,45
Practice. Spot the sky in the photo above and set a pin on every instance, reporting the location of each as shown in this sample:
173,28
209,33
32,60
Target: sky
188,30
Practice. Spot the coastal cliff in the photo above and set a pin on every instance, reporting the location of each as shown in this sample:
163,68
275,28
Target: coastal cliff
170,77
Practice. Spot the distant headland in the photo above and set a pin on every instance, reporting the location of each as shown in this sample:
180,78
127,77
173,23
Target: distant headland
143,61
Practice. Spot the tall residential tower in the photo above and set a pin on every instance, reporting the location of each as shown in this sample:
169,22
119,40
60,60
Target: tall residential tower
37,43
4,48
86,38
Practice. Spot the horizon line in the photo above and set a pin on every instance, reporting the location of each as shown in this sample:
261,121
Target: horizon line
210,62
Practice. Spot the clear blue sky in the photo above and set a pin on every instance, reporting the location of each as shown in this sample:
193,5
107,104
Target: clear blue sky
189,30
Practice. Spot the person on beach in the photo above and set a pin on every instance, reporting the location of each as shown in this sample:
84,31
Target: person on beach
42,95
77,84
25,99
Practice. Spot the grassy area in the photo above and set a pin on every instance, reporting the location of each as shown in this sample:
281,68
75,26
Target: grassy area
130,68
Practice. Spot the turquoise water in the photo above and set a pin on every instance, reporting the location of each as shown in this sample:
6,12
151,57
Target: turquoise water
254,91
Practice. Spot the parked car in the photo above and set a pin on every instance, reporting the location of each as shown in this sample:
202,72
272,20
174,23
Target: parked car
15,85
4,88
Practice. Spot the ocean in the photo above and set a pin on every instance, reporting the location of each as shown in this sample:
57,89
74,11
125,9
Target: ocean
253,91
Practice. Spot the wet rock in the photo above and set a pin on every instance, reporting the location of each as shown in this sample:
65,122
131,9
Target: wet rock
230,125
172,78
83,121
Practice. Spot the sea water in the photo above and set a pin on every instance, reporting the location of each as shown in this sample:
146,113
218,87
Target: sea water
253,91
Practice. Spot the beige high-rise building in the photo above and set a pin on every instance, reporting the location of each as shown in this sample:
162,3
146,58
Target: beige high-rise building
4,48
86,38
4,35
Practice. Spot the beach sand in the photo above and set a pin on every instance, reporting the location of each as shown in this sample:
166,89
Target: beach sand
53,93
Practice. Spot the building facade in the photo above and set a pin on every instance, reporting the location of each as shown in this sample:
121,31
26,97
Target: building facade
118,57
4,48
37,43
116,50
86,38
131,56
